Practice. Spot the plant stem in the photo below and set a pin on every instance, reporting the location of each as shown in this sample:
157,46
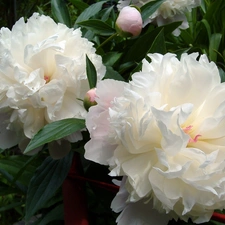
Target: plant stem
107,40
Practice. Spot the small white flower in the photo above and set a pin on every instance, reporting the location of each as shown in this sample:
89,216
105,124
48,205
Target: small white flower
170,11
166,133
43,73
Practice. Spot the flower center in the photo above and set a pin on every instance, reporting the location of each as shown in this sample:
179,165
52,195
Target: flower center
187,130
47,78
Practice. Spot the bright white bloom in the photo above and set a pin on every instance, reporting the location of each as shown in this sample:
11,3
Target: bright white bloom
43,74
170,11
166,133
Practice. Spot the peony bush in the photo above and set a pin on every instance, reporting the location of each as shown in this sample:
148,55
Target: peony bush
112,112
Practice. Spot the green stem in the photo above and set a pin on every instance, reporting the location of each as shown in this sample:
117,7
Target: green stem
107,40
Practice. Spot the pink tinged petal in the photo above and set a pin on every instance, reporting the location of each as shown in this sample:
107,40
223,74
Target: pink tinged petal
187,130
195,139
97,122
107,90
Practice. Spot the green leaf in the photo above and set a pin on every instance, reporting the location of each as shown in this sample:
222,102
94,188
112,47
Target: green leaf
9,177
54,214
89,12
137,51
45,182
214,44
55,131
6,189
91,73
80,5
158,45
222,75
207,27
60,12
107,13
98,27
24,167
149,8
10,206
15,166
112,74
110,58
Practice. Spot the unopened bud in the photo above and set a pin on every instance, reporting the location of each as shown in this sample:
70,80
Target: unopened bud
89,99
129,22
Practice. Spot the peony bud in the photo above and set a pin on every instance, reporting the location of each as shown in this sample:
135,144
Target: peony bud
89,99
129,22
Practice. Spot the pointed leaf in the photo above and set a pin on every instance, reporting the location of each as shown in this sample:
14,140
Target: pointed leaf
89,12
10,206
54,214
110,58
214,44
6,189
55,131
222,75
149,8
138,50
80,5
112,74
158,45
24,167
15,164
98,27
45,182
61,12
107,13
9,177
91,73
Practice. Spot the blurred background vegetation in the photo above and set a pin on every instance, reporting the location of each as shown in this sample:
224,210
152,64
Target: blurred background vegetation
12,10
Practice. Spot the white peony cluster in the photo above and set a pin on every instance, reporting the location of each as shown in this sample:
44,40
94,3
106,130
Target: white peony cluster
43,76
165,133
169,11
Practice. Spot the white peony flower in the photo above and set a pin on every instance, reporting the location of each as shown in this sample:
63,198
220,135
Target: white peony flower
136,213
166,133
170,11
43,74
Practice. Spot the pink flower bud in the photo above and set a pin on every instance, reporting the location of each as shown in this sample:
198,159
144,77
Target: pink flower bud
129,22
89,99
